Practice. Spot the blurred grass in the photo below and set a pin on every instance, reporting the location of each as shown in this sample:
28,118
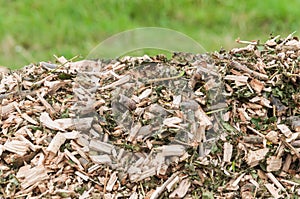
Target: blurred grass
32,30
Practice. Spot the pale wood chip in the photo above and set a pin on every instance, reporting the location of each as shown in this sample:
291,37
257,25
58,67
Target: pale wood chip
238,78
295,151
145,94
101,159
272,189
173,150
48,107
81,175
254,157
101,146
159,190
82,151
9,108
285,130
58,140
134,131
83,123
237,181
296,124
65,123
290,182
86,194
265,102
143,132
244,68
134,195
119,82
293,137
49,123
275,181
287,163
182,189
71,135
274,163
171,185
203,118
256,131
228,148
25,131
16,146
145,174
32,176
243,115
176,101
62,60
93,168
74,159
28,143
272,136
172,122
111,182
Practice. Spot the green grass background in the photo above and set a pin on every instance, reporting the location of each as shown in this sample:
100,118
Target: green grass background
34,30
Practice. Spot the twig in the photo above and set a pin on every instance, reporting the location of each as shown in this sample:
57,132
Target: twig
249,71
159,190
106,179
255,131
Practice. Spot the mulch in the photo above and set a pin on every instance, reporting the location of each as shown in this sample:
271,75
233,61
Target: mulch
217,125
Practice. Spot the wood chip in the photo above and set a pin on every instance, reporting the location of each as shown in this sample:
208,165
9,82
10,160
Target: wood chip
112,180
58,140
274,164
285,130
182,189
49,123
227,152
254,157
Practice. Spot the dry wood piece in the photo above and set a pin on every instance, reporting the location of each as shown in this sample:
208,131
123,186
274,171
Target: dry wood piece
181,190
56,143
285,130
16,146
101,159
238,78
31,176
160,189
272,136
227,152
172,122
273,164
272,189
249,71
254,157
173,150
257,85
112,180
275,181
101,146
49,123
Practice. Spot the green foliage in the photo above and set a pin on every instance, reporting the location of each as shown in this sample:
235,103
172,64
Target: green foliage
32,30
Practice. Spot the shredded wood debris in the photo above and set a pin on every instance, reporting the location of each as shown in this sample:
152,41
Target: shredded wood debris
216,125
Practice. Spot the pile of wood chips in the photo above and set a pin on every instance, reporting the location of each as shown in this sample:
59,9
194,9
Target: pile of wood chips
218,125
